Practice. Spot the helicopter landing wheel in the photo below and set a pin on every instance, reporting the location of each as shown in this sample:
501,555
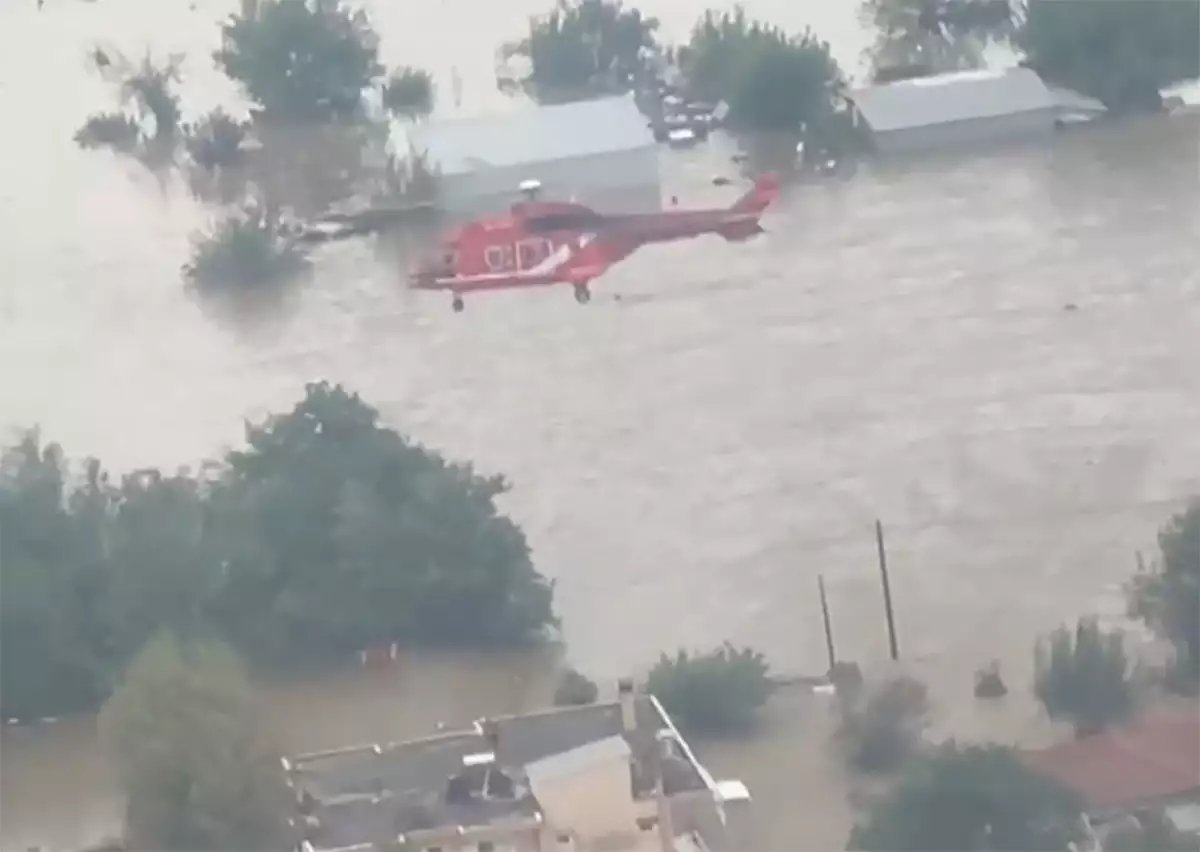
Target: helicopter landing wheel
457,304
582,294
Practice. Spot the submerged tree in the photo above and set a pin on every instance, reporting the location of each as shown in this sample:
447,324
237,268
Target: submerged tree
1123,52
328,533
244,253
191,754
147,124
1167,597
716,693
585,48
349,537
409,93
972,797
919,37
1084,675
882,727
302,61
771,80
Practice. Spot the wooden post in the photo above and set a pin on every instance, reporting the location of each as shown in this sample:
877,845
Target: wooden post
828,626
887,592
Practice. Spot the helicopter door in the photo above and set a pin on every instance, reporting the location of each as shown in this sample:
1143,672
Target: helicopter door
499,258
531,252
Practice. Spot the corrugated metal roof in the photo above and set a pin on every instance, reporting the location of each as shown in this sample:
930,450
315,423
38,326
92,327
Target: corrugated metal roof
945,98
535,135
1154,758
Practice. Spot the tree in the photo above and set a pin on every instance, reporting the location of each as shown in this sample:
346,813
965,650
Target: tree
1084,675
47,663
1167,597
147,124
89,573
343,535
585,48
188,743
1123,52
409,93
244,253
216,140
716,693
919,37
771,80
327,534
574,689
969,797
302,61
881,728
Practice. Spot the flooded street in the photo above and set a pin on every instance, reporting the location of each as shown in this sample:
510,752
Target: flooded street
996,356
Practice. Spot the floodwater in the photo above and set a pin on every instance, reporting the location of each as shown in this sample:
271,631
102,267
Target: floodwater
996,356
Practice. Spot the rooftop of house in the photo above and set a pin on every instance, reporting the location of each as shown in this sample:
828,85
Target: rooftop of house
474,777
1155,758
532,135
961,96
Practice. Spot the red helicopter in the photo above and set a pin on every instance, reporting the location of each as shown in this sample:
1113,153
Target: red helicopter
542,243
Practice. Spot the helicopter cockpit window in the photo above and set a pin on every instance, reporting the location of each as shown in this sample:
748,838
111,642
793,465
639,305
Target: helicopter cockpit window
574,221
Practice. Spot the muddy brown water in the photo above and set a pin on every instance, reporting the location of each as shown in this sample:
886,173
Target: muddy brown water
685,459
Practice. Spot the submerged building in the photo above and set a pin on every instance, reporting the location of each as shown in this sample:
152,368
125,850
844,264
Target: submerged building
967,109
600,152
611,776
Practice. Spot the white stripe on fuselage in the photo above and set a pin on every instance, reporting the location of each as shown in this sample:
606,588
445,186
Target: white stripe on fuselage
554,261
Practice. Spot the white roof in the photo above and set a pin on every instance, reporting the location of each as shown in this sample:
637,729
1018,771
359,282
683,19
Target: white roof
944,98
533,135
570,762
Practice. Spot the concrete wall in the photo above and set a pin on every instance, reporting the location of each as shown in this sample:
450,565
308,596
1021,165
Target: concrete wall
966,134
623,181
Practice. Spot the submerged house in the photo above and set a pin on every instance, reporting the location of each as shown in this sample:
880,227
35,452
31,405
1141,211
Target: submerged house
600,152
963,109
1124,775
613,776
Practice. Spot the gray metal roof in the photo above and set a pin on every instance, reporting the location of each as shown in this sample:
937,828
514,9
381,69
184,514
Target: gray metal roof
532,135
946,98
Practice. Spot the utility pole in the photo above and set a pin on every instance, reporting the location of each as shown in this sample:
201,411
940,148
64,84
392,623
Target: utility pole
887,592
828,625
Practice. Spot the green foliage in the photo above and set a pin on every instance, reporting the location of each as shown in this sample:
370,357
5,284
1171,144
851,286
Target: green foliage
716,693
574,690
1122,52
931,37
585,48
147,126
244,253
1119,51
1167,597
216,140
881,728
326,534
972,797
371,538
409,93
113,130
1084,675
196,772
771,80
302,61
